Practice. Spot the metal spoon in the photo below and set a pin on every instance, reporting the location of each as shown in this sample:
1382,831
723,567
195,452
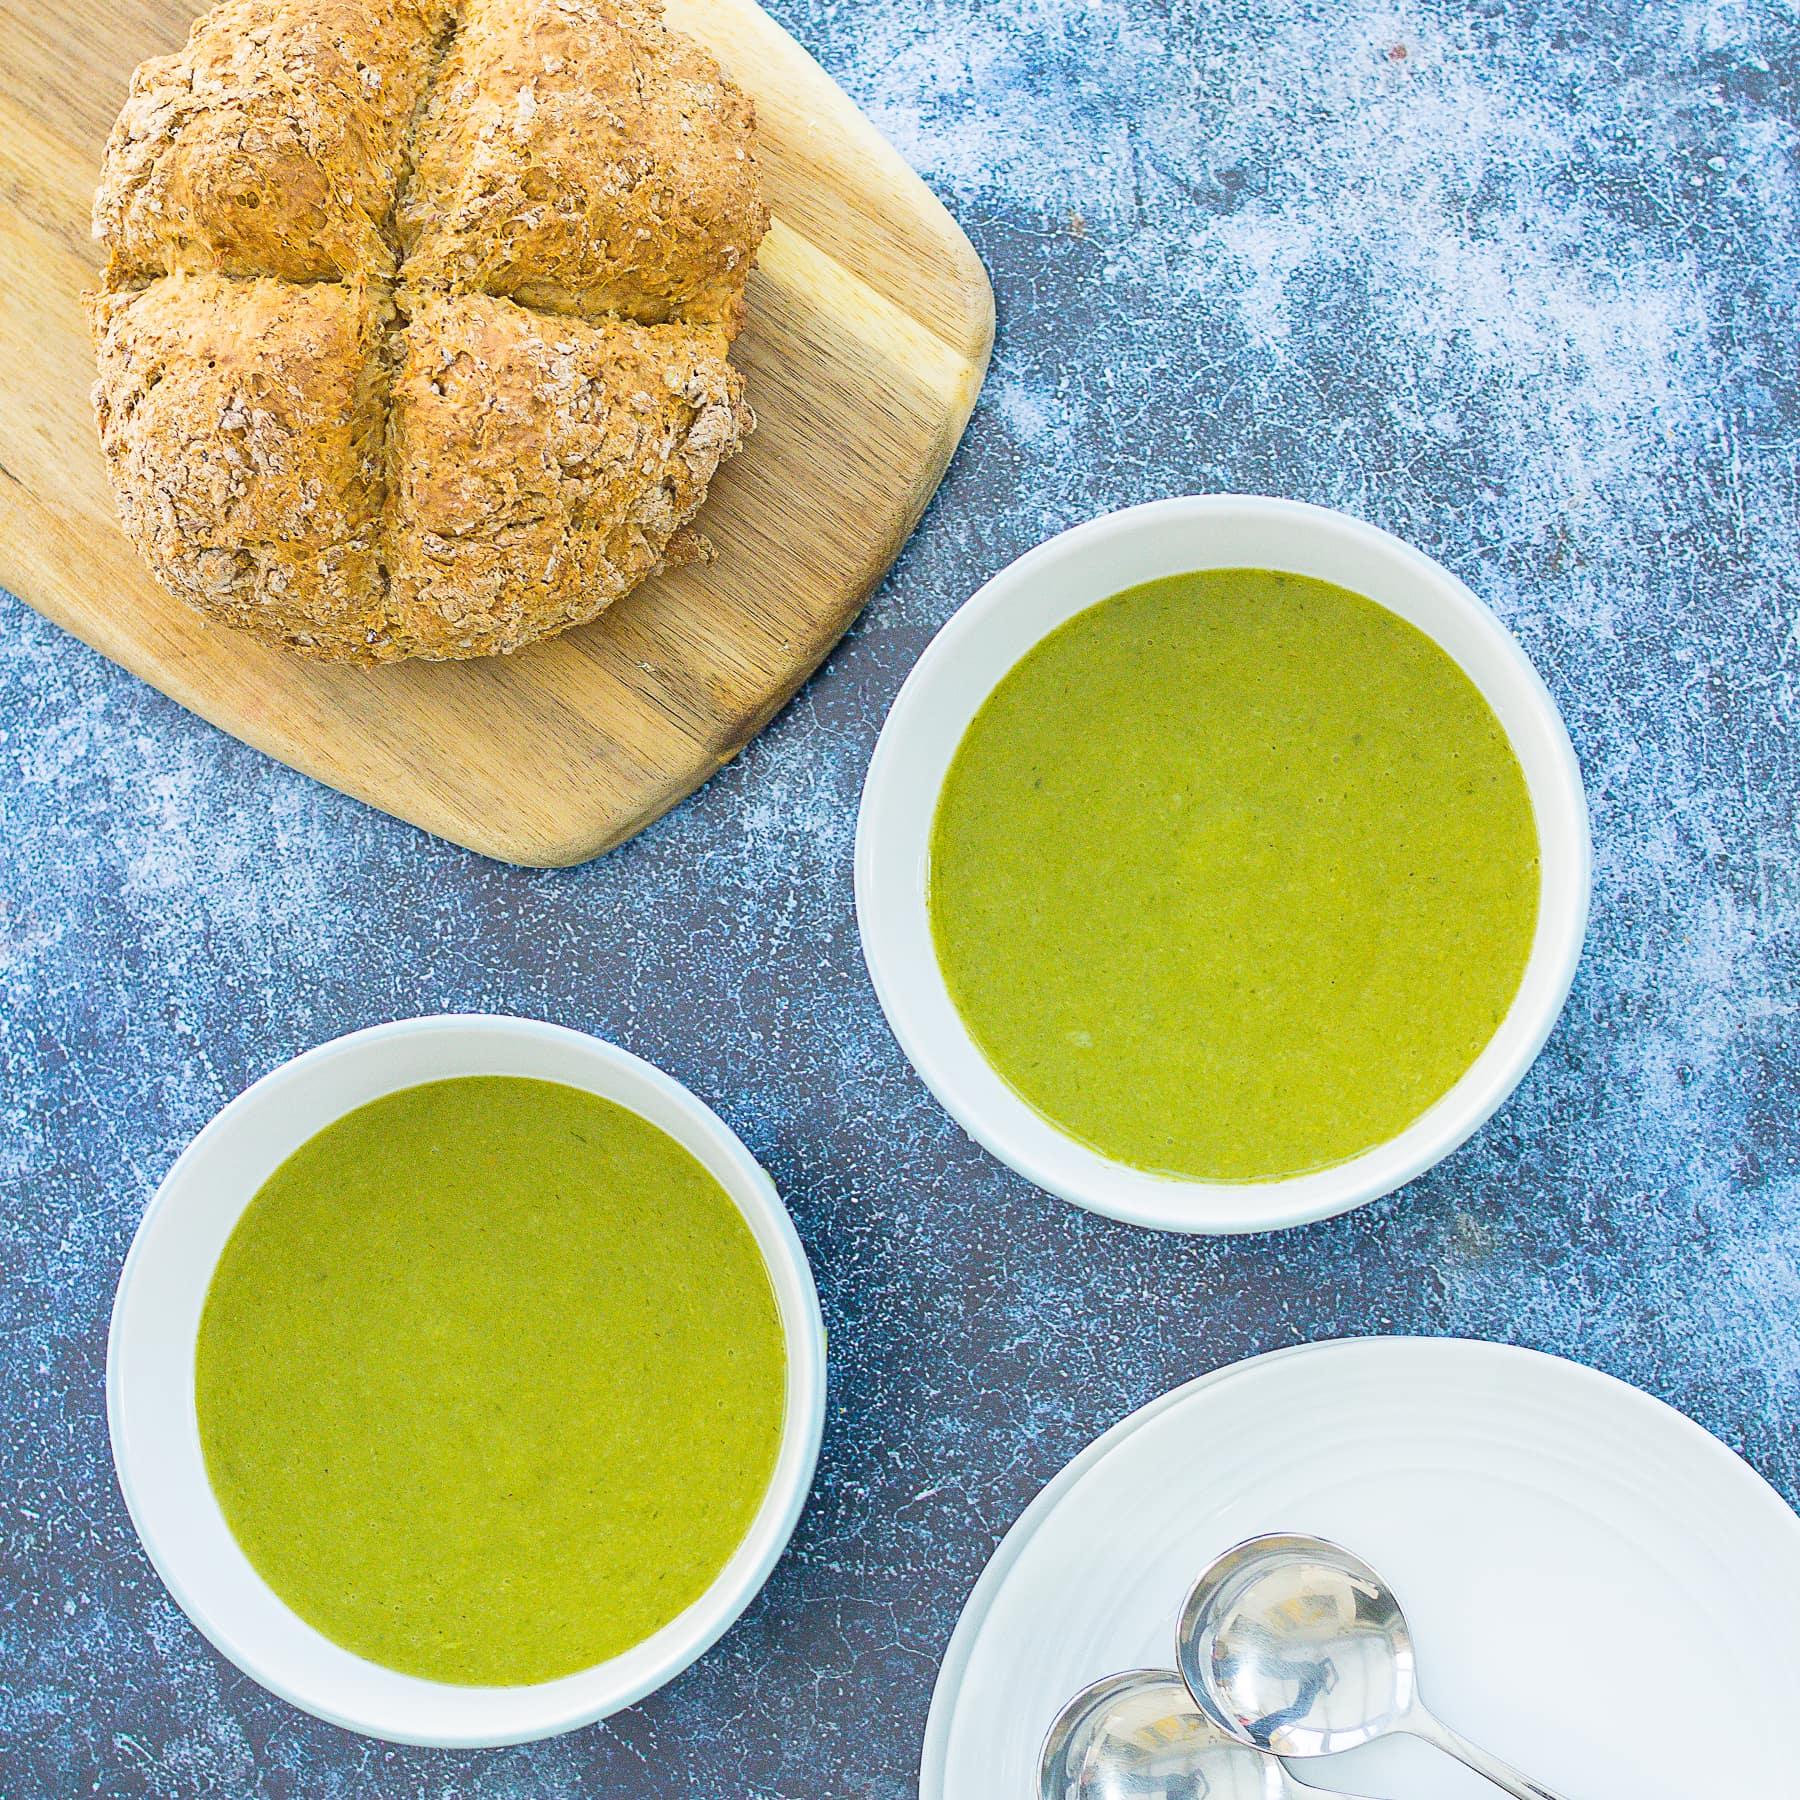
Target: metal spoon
1138,1736
1293,1645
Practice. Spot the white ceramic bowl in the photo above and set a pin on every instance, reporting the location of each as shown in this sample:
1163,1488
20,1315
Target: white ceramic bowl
961,667
150,1379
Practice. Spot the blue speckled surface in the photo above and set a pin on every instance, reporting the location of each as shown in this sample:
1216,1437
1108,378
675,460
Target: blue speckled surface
1518,284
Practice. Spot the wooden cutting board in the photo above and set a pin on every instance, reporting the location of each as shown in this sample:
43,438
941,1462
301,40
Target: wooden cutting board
870,320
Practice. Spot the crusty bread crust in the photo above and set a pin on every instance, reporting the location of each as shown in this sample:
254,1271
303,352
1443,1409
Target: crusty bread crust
413,334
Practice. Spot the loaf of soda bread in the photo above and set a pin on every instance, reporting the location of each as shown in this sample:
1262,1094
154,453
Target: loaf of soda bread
412,338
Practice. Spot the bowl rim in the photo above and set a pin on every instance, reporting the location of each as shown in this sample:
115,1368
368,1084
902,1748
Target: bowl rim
484,1717
891,865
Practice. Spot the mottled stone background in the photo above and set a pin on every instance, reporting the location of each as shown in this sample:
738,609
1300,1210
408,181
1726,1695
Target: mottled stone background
1519,284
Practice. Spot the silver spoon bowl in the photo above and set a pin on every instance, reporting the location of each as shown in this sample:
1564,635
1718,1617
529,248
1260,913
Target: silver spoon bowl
1293,1645
1139,1736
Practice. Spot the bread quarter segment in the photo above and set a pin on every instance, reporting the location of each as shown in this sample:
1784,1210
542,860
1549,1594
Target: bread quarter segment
543,466
526,471
579,158
273,144
242,423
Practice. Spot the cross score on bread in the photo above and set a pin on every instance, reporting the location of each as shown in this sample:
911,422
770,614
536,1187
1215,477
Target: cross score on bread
412,339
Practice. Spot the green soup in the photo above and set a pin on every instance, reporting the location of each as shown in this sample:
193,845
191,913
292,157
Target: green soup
490,1380
1233,875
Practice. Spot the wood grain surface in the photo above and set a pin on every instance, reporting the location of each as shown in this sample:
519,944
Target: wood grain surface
870,320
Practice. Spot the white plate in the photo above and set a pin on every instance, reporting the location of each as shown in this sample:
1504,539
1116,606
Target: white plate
953,679
1601,1592
150,1379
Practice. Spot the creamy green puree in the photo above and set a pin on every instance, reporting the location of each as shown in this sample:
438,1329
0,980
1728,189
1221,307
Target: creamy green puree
1233,875
490,1380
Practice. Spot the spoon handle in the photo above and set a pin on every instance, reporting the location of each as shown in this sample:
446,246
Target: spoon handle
1434,1731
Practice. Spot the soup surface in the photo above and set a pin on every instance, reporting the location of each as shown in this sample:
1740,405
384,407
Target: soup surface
490,1380
1234,875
